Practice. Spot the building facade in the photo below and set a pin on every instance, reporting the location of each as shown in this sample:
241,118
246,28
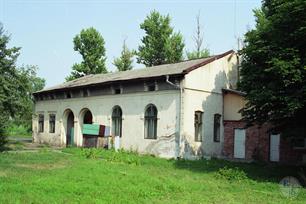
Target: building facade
256,142
173,110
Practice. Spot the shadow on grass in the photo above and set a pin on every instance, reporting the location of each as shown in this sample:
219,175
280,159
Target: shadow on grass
12,145
261,172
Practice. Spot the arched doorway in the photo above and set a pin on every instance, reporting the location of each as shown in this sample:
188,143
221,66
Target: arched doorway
69,127
87,118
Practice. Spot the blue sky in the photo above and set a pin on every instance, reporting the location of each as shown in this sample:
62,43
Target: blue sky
45,29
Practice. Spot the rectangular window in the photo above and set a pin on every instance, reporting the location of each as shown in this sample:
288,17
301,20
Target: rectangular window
52,123
198,126
151,86
150,128
217,122
298,143
85,93
117,91
40,123
68,95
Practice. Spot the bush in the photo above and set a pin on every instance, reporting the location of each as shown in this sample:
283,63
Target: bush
17,130
231,174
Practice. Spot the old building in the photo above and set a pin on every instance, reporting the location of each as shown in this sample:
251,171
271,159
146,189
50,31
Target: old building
256,142
172,110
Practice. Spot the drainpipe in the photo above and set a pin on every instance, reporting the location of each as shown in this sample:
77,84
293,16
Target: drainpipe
180,122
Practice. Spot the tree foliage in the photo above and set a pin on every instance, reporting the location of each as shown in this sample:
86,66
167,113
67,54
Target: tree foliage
16,87
160,44
273,70
9,86
199,51
90,44
198,54
125,61
31,83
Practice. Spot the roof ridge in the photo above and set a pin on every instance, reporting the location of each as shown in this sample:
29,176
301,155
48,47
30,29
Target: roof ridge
134,70
178,68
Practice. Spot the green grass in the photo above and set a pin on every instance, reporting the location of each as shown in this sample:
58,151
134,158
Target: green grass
18,131
100,176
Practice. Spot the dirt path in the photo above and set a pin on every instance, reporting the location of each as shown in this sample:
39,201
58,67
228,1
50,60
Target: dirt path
21,139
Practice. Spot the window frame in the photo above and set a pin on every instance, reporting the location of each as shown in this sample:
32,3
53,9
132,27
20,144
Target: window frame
41,123
54,122
117,120
295,143
150,122
198,126
217,127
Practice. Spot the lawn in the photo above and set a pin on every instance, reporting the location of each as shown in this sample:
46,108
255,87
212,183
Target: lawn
14,130
100,176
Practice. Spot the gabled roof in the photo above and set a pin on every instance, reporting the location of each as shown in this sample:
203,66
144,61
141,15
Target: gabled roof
180,68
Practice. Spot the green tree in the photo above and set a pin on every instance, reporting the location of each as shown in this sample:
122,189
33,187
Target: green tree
160,44
27,76
273,70
125,61
16,88
10,88
198,54
199,51
90,44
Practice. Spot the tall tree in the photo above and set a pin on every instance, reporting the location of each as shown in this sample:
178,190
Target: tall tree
273,70
9,92
198,37
125,61
160,44
90,44
16,87
31,83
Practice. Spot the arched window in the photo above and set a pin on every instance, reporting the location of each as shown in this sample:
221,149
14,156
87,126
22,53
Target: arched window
151,122
117,121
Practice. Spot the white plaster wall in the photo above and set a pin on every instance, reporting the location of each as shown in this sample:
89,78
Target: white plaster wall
133,107
203,91
233,103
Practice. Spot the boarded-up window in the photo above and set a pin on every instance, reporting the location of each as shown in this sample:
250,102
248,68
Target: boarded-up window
117,121
52,123
217,122
40,123
198,126
151,122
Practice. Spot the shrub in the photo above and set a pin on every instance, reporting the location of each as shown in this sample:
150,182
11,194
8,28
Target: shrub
128,157
14,129
231,174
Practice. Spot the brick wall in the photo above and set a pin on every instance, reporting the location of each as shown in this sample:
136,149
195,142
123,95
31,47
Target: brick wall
257,144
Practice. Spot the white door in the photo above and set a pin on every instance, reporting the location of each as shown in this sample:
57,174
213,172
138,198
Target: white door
239,143
274,148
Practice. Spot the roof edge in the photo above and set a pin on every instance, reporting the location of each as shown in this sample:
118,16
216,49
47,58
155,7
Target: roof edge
233,91
104,83
186,71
